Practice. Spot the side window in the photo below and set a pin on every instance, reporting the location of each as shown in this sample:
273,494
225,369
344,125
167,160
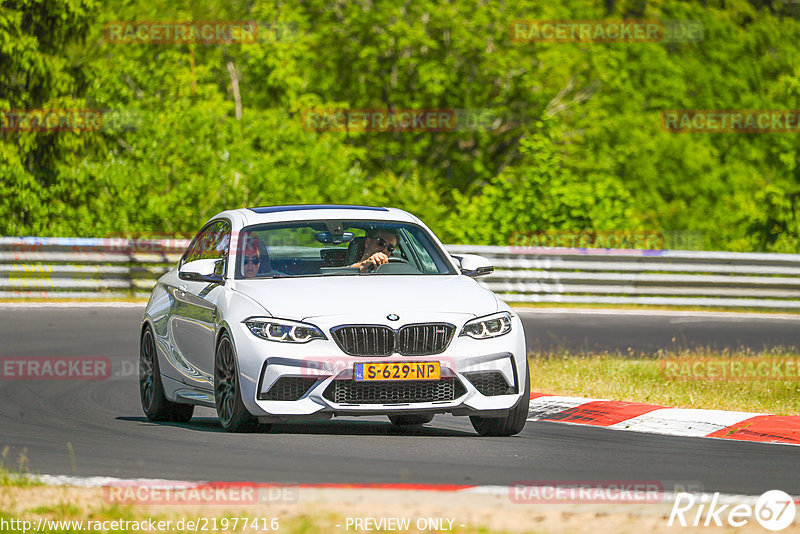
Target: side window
212,242
427,265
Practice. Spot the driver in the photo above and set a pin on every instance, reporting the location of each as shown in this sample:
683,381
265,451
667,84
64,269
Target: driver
378,246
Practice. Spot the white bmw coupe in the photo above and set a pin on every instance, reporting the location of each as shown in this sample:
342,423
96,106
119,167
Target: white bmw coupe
291,313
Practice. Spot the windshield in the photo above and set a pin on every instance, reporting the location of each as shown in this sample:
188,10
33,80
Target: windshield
337,248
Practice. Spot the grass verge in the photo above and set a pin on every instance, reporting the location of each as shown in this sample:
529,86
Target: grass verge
16,478
729,380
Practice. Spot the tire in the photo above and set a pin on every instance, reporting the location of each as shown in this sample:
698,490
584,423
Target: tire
410,420
513,422
155,404
232,414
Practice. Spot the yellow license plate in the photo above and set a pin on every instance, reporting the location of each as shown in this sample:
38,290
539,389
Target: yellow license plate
363,372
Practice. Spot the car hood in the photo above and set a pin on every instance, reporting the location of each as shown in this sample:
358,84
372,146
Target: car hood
303,298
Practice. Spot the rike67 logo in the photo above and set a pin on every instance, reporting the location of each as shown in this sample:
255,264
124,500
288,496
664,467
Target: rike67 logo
774,510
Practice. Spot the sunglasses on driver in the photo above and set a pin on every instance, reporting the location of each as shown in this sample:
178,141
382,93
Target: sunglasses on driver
383,244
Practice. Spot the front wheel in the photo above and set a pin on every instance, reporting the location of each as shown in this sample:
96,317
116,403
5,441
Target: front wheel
232,414
155,404
513,422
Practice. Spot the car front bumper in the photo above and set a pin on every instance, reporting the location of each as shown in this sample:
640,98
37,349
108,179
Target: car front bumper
478,377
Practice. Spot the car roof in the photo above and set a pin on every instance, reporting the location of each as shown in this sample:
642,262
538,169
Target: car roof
300,207
302,212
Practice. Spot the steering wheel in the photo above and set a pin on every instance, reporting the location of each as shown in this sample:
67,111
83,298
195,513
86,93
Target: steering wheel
393,261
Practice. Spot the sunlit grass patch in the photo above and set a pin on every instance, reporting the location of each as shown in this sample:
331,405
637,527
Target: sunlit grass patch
62,509
17,477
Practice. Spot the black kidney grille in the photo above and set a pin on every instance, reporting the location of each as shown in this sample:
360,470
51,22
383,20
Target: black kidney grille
490,383
410,340
424,339
351,392
365,340
288,388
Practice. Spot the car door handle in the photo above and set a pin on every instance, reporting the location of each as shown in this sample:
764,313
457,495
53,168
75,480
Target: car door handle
182,289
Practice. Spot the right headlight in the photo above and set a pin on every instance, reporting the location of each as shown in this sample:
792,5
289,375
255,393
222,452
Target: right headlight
283,330
494,325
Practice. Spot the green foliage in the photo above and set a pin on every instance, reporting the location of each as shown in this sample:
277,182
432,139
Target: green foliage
37,72
574,140
539,194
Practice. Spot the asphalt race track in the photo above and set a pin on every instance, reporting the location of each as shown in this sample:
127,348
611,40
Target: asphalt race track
646,332
102,424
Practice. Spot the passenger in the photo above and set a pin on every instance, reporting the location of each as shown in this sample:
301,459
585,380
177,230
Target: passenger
256,259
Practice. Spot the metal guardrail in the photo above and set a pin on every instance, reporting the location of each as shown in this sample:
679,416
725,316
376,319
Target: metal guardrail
656,277
84,268
88,268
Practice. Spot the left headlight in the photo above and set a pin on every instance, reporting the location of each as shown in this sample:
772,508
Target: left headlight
283,330
494,325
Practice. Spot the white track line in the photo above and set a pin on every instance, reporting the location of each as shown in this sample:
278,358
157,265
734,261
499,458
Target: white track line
489,490
77,304
683,421
549,405
659,313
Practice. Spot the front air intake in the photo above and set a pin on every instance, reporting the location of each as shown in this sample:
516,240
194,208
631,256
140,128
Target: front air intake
490,383
288,388
394,392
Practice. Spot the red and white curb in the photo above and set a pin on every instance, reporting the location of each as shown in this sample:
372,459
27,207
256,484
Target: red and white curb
617,415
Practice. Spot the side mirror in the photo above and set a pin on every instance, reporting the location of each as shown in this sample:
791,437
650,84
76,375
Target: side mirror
201,271
474,265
